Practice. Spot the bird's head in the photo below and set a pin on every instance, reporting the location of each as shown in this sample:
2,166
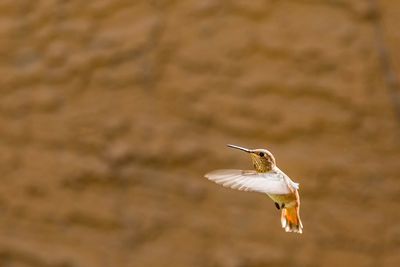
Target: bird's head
263,160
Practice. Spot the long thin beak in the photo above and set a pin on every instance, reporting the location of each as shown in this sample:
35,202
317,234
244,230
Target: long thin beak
240,148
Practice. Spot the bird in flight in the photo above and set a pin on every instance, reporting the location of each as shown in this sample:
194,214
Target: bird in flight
267,178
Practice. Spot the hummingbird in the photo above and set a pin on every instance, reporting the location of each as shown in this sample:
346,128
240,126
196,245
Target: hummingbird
267,178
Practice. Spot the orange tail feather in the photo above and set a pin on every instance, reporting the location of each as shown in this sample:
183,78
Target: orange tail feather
291,221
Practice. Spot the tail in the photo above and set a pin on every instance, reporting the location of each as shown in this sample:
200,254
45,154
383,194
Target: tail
291,221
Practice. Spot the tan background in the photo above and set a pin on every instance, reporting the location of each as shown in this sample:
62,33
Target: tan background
112,111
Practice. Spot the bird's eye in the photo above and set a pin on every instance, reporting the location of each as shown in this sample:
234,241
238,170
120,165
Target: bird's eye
261,154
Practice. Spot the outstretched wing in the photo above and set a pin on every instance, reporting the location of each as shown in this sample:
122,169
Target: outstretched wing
269,183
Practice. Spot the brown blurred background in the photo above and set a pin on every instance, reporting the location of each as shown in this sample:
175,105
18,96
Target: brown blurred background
112,111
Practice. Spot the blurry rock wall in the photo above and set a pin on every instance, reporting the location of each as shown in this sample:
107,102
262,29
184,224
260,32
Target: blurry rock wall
112,111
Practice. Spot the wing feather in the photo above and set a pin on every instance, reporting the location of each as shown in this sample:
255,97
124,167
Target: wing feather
269,183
